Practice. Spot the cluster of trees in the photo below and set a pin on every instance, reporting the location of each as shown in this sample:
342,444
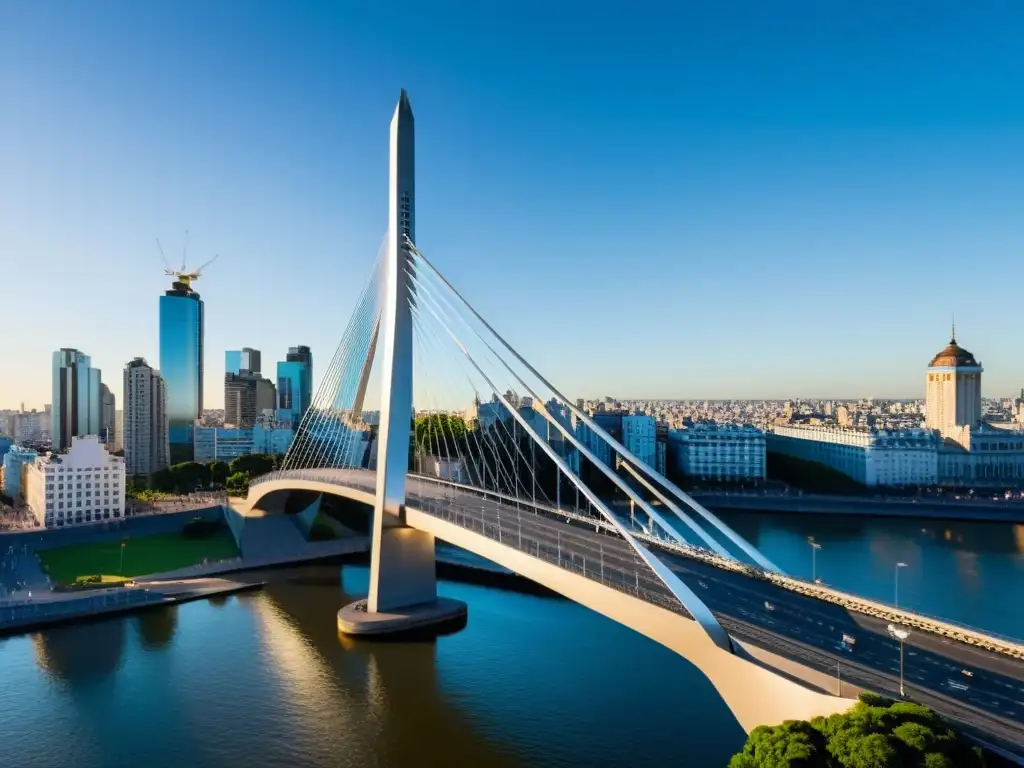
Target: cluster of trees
192,476
441,434
875,733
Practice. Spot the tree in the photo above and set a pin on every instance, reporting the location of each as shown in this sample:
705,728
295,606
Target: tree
875,733
794,744
440,434
219,471
190,475
238,483
162,480
253,464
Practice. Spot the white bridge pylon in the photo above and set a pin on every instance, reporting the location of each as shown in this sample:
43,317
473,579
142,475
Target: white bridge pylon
521,437
434,355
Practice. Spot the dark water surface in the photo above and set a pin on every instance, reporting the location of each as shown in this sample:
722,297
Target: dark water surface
263,679
970,572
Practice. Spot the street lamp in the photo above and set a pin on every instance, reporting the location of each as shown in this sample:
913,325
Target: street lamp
815,546
901,635
896,584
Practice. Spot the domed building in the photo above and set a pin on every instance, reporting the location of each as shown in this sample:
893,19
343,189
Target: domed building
953,390
971,452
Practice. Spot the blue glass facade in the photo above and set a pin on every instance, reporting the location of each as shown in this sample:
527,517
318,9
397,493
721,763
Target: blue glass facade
77,405
233,361
181,365
16,458
225,444
295,385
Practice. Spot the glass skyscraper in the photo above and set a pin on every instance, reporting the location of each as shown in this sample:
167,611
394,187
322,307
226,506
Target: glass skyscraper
181,364
295,385
244,359
77,406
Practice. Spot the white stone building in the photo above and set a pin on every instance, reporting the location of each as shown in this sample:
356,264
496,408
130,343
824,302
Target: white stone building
639,436
144,425
719,452
869,456
85,485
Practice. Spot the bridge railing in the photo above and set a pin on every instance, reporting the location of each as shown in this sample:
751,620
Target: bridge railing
507,529
937,625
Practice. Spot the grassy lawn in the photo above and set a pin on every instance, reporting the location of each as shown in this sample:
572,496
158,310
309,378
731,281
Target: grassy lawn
143,556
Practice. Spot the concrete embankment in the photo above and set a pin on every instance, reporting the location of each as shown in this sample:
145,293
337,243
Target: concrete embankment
998,512
58,608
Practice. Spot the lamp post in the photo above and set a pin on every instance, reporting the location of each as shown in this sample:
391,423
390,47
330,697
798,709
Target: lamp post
896,584
815,546
901,635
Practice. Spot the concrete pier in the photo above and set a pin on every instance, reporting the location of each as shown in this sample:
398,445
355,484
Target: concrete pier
443,613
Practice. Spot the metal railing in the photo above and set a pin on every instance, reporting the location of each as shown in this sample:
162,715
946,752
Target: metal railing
509,532
937,625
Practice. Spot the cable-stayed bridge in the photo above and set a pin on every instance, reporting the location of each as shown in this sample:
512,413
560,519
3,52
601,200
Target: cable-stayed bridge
442,430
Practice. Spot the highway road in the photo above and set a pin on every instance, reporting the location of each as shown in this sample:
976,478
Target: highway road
990,701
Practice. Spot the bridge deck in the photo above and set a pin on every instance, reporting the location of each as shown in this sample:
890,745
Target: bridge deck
798,627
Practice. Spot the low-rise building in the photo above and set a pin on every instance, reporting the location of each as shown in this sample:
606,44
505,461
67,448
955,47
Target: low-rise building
227,443
84,485
718,452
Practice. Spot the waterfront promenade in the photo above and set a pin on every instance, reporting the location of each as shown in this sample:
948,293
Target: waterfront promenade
28,598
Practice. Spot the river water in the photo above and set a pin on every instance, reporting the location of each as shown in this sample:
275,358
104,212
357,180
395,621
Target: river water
969,572
262,678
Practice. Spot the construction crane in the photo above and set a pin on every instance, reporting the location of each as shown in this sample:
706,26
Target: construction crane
183,275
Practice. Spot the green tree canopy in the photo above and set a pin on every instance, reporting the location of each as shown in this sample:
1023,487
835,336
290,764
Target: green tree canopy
875,733
238,483
253,465
219,471
190,475
440,434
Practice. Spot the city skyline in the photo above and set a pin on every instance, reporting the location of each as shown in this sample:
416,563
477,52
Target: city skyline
815,250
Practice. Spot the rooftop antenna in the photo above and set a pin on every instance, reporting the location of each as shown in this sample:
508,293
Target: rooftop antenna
952,339
184,251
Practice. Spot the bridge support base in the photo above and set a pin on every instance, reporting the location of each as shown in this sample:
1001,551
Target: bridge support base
443,614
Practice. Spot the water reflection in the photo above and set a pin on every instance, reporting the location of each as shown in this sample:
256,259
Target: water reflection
401,712
156,627
81,654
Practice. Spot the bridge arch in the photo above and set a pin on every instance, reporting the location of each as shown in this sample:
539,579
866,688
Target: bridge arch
757,686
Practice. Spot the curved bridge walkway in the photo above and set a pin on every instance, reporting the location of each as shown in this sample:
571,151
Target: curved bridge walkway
797,628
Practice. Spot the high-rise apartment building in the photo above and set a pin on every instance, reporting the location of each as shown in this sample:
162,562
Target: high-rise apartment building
144,427
266,395
77,406
108,411
295,385
181,363
240,399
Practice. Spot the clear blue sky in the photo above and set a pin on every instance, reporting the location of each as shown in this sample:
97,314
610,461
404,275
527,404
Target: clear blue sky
731,199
